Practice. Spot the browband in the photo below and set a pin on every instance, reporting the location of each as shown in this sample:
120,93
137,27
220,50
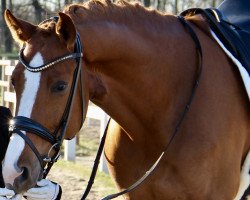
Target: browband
50,64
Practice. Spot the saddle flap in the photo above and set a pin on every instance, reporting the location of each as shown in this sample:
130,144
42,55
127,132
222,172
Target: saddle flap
236,12
235,40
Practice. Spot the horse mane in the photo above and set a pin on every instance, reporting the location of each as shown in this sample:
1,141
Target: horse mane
121,11
106,8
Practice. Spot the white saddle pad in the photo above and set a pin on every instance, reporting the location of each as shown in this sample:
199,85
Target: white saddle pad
243,72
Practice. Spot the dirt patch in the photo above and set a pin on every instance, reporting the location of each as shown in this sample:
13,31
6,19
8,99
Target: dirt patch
72,185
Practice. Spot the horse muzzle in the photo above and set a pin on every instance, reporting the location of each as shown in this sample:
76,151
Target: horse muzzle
24,165
23,176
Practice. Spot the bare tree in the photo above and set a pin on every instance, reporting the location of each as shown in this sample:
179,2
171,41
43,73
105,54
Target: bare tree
38,10
215,3
146,3
176,10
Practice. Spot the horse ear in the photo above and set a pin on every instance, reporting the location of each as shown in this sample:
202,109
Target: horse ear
65,28
20,30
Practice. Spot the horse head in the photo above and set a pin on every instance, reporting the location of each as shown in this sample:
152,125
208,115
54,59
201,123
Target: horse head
43,84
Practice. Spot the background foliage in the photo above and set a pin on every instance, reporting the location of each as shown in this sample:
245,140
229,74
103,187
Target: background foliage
37,10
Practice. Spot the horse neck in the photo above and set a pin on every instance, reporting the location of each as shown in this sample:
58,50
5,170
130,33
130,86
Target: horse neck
137,76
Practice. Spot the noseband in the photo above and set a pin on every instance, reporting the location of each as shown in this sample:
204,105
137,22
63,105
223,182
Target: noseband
19,123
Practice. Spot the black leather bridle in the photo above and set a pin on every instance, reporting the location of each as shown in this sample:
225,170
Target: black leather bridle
20,123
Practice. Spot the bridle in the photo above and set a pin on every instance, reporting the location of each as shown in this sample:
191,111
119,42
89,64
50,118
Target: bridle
21,123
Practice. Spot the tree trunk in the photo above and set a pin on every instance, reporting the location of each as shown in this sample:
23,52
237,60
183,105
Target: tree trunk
176,10
214,3
38,10
66,2
10,5
146,3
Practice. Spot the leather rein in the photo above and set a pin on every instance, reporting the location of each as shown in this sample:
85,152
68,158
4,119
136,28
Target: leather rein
19,124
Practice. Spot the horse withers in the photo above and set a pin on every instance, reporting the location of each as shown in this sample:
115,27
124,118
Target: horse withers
140,67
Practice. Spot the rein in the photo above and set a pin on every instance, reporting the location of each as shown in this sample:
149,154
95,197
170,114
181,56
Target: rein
20,123
177,127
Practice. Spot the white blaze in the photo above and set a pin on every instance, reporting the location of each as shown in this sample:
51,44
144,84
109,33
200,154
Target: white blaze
28,97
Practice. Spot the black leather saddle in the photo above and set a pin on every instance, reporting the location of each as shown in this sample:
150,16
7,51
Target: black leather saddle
231,23
236,12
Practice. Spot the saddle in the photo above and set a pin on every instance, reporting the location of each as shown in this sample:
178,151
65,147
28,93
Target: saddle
236,12
231,23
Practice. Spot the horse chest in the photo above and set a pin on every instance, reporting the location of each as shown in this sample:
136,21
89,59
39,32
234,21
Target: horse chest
177,177
128,162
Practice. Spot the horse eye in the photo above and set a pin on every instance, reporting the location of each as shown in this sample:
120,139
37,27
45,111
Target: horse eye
59,86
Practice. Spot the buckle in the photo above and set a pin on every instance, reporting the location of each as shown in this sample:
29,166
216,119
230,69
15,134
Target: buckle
48,158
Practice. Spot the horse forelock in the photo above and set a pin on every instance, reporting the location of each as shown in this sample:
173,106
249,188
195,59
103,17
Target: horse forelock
27,101
47,26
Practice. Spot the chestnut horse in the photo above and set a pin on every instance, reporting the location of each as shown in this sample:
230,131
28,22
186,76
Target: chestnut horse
139,66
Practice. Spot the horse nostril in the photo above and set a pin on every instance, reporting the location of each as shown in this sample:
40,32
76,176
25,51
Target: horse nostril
20,182
25,173
18,169
9,186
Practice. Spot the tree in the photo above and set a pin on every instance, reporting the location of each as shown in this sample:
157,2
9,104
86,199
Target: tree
146,3
66,2
38,10
176,10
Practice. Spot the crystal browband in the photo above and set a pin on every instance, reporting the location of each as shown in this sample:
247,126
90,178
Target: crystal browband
46,66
